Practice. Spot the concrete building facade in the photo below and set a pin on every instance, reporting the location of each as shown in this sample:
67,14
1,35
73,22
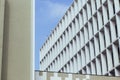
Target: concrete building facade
39,75
16,40
86,40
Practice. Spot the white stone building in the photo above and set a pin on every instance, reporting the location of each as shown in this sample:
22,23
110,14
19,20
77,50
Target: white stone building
86,40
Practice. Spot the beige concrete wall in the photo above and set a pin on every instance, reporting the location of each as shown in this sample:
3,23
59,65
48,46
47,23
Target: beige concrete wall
1,31
69,76
17,40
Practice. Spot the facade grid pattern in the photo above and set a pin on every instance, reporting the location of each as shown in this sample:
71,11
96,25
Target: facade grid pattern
86,40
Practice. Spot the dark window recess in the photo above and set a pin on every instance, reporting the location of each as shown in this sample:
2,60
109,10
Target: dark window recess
107,11
116,29
119,53
110,34
95,5
113,7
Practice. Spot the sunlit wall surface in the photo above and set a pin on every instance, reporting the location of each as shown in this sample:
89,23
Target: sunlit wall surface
86,40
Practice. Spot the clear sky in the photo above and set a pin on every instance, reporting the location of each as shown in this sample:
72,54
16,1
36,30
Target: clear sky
47,15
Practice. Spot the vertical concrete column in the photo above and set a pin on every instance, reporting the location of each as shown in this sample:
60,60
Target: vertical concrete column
2,7
17,59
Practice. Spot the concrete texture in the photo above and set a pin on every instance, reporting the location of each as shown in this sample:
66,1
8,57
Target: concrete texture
16,43
69,76
1,31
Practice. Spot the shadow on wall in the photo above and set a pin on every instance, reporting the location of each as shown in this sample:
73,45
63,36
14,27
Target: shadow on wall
5,42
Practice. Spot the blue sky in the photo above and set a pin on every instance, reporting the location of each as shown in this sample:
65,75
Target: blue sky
47,15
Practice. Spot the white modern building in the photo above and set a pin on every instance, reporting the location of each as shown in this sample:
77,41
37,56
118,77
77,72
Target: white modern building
86,40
